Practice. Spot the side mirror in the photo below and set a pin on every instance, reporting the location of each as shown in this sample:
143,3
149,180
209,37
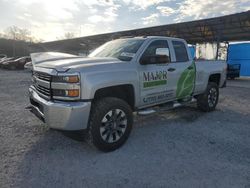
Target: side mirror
156,59
161,57
162,51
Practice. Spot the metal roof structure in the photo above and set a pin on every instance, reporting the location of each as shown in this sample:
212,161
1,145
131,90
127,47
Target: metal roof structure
234,27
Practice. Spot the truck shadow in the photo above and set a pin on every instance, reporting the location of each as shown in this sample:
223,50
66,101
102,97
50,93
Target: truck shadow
80,136
184,114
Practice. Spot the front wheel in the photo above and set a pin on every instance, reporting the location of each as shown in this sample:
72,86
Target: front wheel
207,101
110,123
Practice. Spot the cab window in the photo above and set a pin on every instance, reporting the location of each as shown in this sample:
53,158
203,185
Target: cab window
151,49
180,51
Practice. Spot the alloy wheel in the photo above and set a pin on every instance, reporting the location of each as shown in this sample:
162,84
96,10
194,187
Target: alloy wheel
113,125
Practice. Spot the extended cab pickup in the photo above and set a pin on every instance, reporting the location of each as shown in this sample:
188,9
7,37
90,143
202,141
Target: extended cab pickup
99,93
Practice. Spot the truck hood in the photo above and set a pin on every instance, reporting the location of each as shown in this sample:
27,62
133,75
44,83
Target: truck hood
63,62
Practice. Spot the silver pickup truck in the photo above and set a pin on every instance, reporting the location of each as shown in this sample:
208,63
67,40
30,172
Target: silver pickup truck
99,93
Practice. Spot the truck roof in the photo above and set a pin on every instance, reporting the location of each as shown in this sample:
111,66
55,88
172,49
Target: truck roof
150,37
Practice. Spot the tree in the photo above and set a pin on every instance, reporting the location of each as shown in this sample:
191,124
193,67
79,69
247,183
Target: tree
2,35
67,35
17,33
12,32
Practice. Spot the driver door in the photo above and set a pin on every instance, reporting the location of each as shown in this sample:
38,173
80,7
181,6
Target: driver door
154,86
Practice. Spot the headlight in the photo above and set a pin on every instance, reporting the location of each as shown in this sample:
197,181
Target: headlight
66,79
66,86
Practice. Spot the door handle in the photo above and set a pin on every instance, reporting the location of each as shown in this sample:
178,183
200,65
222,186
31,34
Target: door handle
171,69
190,67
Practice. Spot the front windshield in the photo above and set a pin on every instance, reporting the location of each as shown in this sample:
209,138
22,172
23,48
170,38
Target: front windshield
123,49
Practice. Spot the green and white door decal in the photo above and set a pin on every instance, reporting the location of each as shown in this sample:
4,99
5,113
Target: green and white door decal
154,78
186,82
158,84
153,84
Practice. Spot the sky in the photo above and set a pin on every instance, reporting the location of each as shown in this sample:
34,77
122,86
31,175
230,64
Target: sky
51,19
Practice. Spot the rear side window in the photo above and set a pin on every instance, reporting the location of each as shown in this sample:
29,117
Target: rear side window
180,51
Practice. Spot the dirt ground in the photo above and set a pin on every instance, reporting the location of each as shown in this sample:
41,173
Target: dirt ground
178,148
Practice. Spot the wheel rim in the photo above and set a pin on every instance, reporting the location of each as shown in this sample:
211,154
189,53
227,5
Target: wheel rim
212,97
113,125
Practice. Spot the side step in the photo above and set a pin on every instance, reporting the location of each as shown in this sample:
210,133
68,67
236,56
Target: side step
146,111
164,107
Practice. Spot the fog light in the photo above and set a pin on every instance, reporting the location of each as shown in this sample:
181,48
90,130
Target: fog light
72,93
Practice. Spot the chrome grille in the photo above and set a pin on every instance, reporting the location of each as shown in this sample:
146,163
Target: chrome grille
42,90
42,76
41,82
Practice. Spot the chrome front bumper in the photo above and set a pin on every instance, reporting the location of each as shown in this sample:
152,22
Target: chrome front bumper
60,115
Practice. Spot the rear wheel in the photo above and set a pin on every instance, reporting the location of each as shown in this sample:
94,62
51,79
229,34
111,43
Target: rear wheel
208,100
110,123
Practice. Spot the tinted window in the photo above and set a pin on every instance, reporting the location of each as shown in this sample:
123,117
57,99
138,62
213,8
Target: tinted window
151,49
180,51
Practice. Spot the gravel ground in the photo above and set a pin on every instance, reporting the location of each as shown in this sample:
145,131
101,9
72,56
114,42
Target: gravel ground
178,148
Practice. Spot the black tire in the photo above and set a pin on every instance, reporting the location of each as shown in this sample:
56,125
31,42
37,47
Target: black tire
105,109
207,101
